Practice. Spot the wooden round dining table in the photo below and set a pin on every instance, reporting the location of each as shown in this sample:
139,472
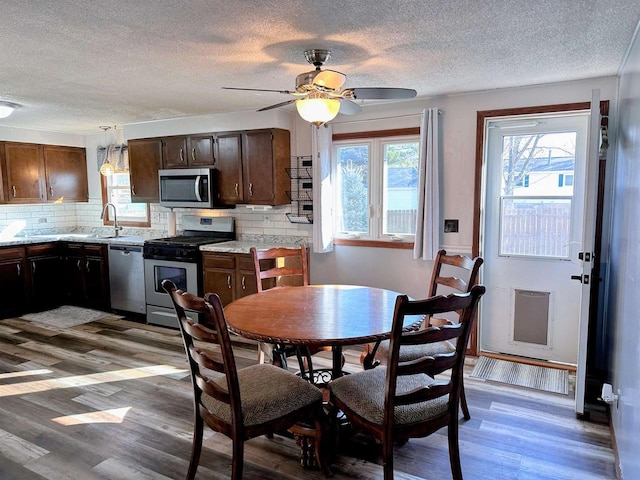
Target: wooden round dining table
315,315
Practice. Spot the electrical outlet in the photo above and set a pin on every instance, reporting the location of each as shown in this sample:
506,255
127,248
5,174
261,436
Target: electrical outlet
42,220
266,221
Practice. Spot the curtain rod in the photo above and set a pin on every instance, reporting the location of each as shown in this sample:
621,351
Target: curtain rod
440,112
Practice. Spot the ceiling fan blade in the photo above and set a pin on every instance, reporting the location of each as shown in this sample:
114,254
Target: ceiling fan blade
281,104
288,92
329,80
347,107
380,93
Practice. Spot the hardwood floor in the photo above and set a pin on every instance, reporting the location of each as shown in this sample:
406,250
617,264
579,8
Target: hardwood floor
112,400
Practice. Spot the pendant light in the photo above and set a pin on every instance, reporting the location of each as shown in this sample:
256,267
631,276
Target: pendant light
106,169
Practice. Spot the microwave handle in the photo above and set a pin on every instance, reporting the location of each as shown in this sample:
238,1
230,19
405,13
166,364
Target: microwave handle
197,187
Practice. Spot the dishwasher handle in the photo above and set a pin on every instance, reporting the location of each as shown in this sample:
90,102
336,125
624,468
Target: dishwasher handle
126,249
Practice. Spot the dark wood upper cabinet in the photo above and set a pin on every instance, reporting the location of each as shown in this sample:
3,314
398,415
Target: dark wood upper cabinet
265,157
66,174
145,159
24,173
229,165
188,151
33,173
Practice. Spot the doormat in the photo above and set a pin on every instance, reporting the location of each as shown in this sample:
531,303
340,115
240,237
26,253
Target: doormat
532,376
67,316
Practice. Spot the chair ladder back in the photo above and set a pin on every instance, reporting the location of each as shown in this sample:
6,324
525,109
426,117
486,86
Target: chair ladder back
281,254
461,262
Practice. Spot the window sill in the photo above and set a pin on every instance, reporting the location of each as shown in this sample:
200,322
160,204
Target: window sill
348,242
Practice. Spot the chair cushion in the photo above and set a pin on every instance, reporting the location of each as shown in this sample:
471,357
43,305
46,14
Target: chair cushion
363,392
411,352
267,393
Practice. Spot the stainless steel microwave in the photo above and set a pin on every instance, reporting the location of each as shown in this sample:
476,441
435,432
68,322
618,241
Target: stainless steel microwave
188,187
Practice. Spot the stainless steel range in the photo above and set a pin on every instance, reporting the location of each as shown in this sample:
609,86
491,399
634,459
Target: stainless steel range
179,259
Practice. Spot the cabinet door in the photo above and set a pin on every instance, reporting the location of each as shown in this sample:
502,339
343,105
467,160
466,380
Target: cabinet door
220,281
96,278
44,275
174,152
201,150
25,172
229,165
145,159
66,174
246,276
266,156
12,281
73,267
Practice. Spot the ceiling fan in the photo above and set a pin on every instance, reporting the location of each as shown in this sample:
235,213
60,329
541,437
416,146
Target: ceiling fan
320,96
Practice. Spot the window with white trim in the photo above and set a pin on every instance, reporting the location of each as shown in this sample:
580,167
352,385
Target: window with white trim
376,188
117,190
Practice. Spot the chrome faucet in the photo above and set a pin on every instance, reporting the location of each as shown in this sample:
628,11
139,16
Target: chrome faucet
116,227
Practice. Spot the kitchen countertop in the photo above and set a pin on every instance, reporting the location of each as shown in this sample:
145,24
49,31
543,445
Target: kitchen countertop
71,237
244,246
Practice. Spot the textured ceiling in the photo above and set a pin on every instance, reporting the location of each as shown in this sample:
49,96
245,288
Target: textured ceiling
76,64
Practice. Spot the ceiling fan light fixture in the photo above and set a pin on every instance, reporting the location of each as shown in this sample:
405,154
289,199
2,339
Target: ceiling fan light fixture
318,110
7,108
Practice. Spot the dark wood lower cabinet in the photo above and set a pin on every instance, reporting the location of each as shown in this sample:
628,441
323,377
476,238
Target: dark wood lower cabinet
45,279
13,285
42,276
87,275
230,275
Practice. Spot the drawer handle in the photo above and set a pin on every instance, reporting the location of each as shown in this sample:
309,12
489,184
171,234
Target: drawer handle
244,283
14,189
229,281
133,190
19,269
182,155
251,189
193,154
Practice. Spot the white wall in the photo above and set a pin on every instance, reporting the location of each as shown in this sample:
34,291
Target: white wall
623,301
379,267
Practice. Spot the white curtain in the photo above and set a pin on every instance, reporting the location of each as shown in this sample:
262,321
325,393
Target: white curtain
322,189
427,241
116,155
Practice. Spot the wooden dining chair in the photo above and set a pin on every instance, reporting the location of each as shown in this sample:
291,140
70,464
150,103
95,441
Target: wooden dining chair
402,400
460,274
277,267
241,404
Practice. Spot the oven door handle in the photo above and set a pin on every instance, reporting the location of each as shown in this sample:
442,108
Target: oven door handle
197,187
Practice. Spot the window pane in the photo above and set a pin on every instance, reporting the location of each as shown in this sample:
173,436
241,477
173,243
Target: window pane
535,164
119,193
400,188
352,188
535,226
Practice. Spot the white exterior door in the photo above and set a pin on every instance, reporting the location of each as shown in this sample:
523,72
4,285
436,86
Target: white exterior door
534,206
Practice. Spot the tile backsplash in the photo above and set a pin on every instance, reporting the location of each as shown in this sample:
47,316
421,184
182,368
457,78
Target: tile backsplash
58,218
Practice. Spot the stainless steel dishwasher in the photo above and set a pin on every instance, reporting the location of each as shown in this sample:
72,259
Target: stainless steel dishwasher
126,278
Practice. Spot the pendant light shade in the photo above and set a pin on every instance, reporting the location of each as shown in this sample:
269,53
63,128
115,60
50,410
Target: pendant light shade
318,108
7,108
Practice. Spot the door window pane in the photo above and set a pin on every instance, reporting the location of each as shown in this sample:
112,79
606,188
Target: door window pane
353,184
537,193
400,188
